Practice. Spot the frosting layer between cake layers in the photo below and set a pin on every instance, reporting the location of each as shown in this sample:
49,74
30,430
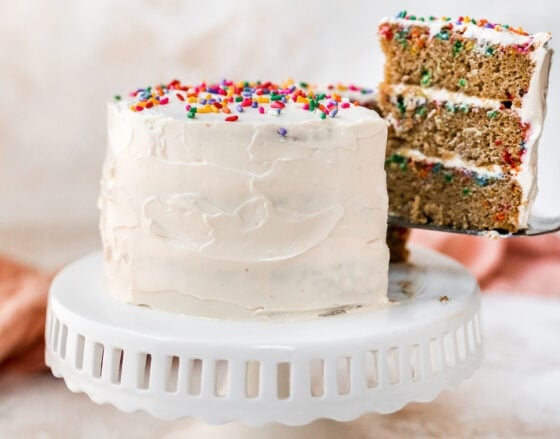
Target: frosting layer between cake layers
277,214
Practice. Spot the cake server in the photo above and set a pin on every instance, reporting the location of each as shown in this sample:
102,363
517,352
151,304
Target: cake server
537,226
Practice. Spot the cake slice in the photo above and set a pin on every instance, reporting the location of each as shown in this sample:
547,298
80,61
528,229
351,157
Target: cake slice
465,100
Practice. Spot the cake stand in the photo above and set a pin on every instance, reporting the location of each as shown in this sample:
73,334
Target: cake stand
293,372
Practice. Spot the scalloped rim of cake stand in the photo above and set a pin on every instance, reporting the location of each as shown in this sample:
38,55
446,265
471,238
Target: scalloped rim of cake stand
175,366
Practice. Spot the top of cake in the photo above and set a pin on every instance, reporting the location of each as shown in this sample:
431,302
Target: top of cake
251,102
494,33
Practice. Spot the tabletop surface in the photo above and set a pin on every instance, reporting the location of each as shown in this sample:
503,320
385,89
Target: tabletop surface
515,393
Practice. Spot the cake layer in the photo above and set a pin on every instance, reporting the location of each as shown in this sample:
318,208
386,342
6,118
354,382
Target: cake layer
282,212
432,192
397,238
475,58
440,124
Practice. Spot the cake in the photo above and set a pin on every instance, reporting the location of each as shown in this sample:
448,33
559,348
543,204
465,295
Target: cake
244,200
465,100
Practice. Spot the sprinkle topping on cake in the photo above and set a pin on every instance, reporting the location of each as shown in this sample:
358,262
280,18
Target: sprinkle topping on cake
234,99
483,22
413,31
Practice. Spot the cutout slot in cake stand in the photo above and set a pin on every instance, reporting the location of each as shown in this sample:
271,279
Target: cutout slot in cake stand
291,372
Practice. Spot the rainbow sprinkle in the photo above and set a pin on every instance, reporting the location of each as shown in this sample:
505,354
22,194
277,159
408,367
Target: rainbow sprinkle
229,97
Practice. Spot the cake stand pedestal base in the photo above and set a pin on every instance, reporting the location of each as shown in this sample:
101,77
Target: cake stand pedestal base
292,372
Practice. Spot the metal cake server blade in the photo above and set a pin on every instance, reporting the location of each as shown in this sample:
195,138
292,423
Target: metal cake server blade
537,226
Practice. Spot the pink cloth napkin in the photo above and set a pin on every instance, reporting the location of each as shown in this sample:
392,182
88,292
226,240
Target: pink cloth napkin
520,265
23,300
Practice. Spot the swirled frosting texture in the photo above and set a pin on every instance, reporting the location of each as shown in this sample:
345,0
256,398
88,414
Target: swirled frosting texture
225,220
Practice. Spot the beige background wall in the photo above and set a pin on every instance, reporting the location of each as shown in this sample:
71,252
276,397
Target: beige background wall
61,60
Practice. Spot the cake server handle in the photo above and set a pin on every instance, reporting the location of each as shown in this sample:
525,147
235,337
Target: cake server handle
537,226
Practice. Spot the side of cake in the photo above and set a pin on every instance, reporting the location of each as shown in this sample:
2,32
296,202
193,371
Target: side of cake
244,200
465,100
397,237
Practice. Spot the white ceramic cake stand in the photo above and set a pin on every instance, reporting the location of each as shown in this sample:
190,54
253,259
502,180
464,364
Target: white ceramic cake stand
292,372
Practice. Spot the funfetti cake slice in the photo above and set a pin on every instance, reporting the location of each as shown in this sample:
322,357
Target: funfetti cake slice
465,100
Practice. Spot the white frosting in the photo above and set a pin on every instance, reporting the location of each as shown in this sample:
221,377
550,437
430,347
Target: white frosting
533,111
485,36
233,220
453,161
417,96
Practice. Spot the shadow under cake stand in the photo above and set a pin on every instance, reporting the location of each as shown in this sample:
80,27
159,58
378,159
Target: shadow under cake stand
291,372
